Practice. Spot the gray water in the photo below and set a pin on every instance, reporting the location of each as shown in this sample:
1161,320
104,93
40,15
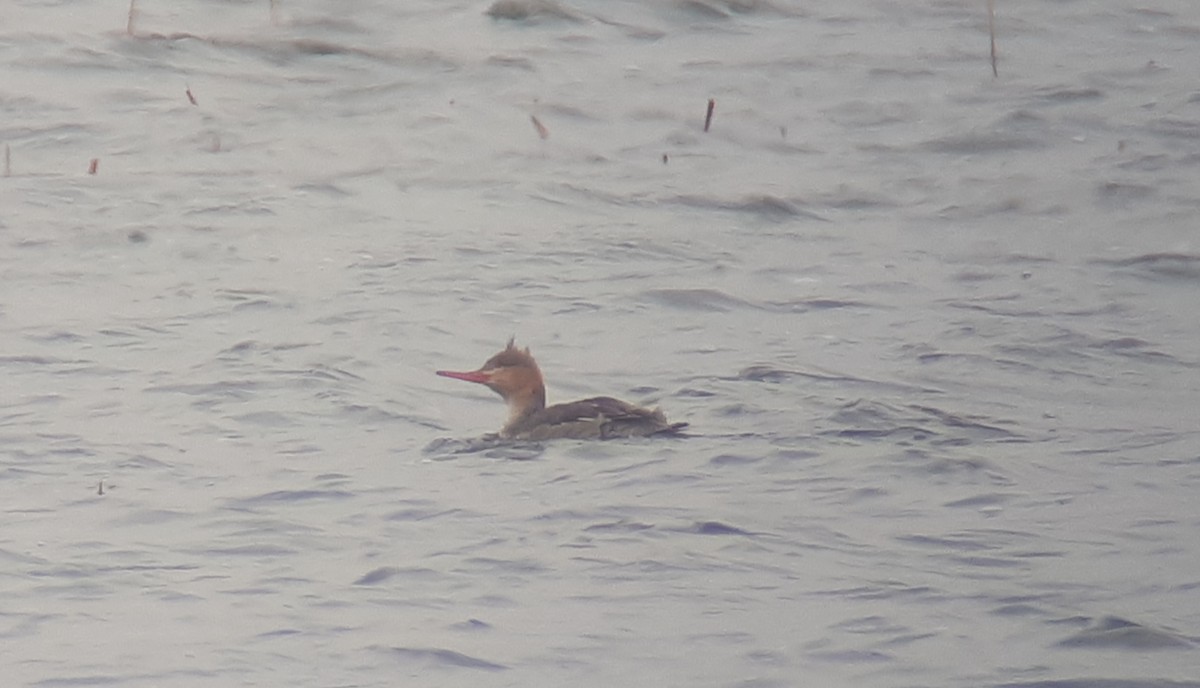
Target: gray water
935,332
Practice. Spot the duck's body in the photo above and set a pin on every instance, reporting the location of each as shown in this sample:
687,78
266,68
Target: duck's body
514,375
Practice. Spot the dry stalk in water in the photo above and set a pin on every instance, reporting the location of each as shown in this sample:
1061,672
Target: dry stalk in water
541,129
991,5
712,103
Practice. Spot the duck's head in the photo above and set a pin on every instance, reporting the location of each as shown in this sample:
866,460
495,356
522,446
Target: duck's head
514,375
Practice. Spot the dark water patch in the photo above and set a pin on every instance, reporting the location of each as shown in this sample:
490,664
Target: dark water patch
1103,683
283,50
238,390
911,433
703,9
975,276
377,575
1148,163
966,469
1122,194
727,9
858,200
958,543
320,372
288,497
490,445
438,658
1183,266
241,295
1175,129
859,113
885,590
78,572
721,638
1112,632
241,347
511,62
291,449
633,468
384,573
983,500
809,305
633,571
1018,610
346,316
142,461
794,454
58,336
691,393
563,515
709,300
524,452
622,526
266,419
280,633
733,460
973,425
852,656
1121,442
767,374
988,562
998,306
167,678
496,601
250,551
907,639
422,514
716,528
152,516
1132,347
870,415
760,658
333,191
868,625
982,142
1054,95
1049,360
532,11
772,374
918,423
767,657
256,304
22,625
16,361
763,206
491,565
1122,343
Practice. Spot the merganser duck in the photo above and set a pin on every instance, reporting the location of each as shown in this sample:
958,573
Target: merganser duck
514,375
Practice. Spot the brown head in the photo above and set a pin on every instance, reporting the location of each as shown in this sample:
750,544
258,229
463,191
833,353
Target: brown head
514,375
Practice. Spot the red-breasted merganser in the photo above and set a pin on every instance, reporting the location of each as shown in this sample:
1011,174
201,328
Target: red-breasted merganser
514,375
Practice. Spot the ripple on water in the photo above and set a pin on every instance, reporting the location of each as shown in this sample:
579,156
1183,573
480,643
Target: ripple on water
1180,266
1103,683
712,300
386,573
762,206
440,658
1112,632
